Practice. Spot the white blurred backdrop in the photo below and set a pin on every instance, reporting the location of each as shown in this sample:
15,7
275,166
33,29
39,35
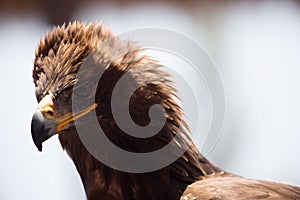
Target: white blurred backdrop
255,45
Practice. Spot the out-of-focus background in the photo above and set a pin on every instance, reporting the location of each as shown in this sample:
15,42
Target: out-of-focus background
254,44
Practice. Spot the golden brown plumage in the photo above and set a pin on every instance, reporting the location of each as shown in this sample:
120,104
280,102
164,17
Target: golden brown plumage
234,187
57,61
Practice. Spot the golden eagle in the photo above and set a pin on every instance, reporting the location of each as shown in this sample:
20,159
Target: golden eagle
58,58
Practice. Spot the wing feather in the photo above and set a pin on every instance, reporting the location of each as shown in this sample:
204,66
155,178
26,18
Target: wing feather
236,187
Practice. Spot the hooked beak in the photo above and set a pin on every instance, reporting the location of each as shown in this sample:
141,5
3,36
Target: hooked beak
45,123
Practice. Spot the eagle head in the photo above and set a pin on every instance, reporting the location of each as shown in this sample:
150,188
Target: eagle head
59,58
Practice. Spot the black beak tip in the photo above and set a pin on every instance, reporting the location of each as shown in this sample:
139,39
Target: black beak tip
38,132
39,146
37,141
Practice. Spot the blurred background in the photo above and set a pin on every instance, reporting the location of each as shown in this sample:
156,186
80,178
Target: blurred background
254,44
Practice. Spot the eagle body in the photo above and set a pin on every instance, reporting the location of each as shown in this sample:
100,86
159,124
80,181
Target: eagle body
58,59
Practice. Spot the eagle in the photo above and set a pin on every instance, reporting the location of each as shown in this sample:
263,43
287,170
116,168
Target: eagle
59,57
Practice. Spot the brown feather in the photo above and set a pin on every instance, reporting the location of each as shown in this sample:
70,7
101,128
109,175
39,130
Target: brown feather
228,187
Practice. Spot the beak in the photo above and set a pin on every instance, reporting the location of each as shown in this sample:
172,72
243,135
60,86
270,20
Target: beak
41,128
45,123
